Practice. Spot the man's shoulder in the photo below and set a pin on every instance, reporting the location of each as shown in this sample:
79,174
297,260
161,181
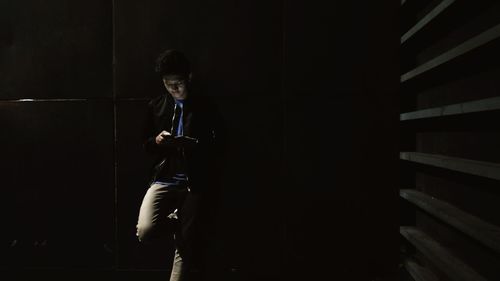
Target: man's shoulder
202,103
157,101
160,106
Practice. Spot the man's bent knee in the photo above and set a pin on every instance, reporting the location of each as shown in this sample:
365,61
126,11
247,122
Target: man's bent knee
144,232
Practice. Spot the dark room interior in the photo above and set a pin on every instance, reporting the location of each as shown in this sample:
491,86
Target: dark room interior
359,141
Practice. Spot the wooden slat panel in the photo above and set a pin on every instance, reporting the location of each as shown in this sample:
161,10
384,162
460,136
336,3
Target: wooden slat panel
464,48
488,104
483,232
419,273
450,265
472,167
410,10
439,9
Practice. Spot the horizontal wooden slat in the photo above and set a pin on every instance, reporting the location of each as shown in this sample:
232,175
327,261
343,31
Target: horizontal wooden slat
449,264
427,19
483,232
468,46
419,273
488,104
472,167
410,12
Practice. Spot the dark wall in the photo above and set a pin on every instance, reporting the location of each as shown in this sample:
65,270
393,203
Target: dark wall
307,93
56,49
340,86
57,147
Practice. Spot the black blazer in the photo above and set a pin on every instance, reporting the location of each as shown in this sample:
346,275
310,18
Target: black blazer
200,122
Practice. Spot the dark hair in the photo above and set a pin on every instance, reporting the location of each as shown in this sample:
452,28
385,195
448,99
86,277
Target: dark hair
172,62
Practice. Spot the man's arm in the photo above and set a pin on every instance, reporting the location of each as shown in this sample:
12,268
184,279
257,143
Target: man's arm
149,134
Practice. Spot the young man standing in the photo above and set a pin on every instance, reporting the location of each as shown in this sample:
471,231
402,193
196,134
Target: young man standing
180,134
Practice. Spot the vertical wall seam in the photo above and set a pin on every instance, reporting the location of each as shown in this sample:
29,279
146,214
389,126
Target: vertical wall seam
284,130
115,137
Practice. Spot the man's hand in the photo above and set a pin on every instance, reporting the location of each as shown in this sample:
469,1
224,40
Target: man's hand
162,137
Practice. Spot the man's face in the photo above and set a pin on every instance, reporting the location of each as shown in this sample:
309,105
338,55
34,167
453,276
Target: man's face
176,85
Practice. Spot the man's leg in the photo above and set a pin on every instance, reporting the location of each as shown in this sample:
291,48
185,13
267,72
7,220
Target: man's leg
185,266
177,267
157,204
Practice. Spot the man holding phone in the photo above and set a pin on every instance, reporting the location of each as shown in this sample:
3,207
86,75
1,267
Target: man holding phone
180,134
